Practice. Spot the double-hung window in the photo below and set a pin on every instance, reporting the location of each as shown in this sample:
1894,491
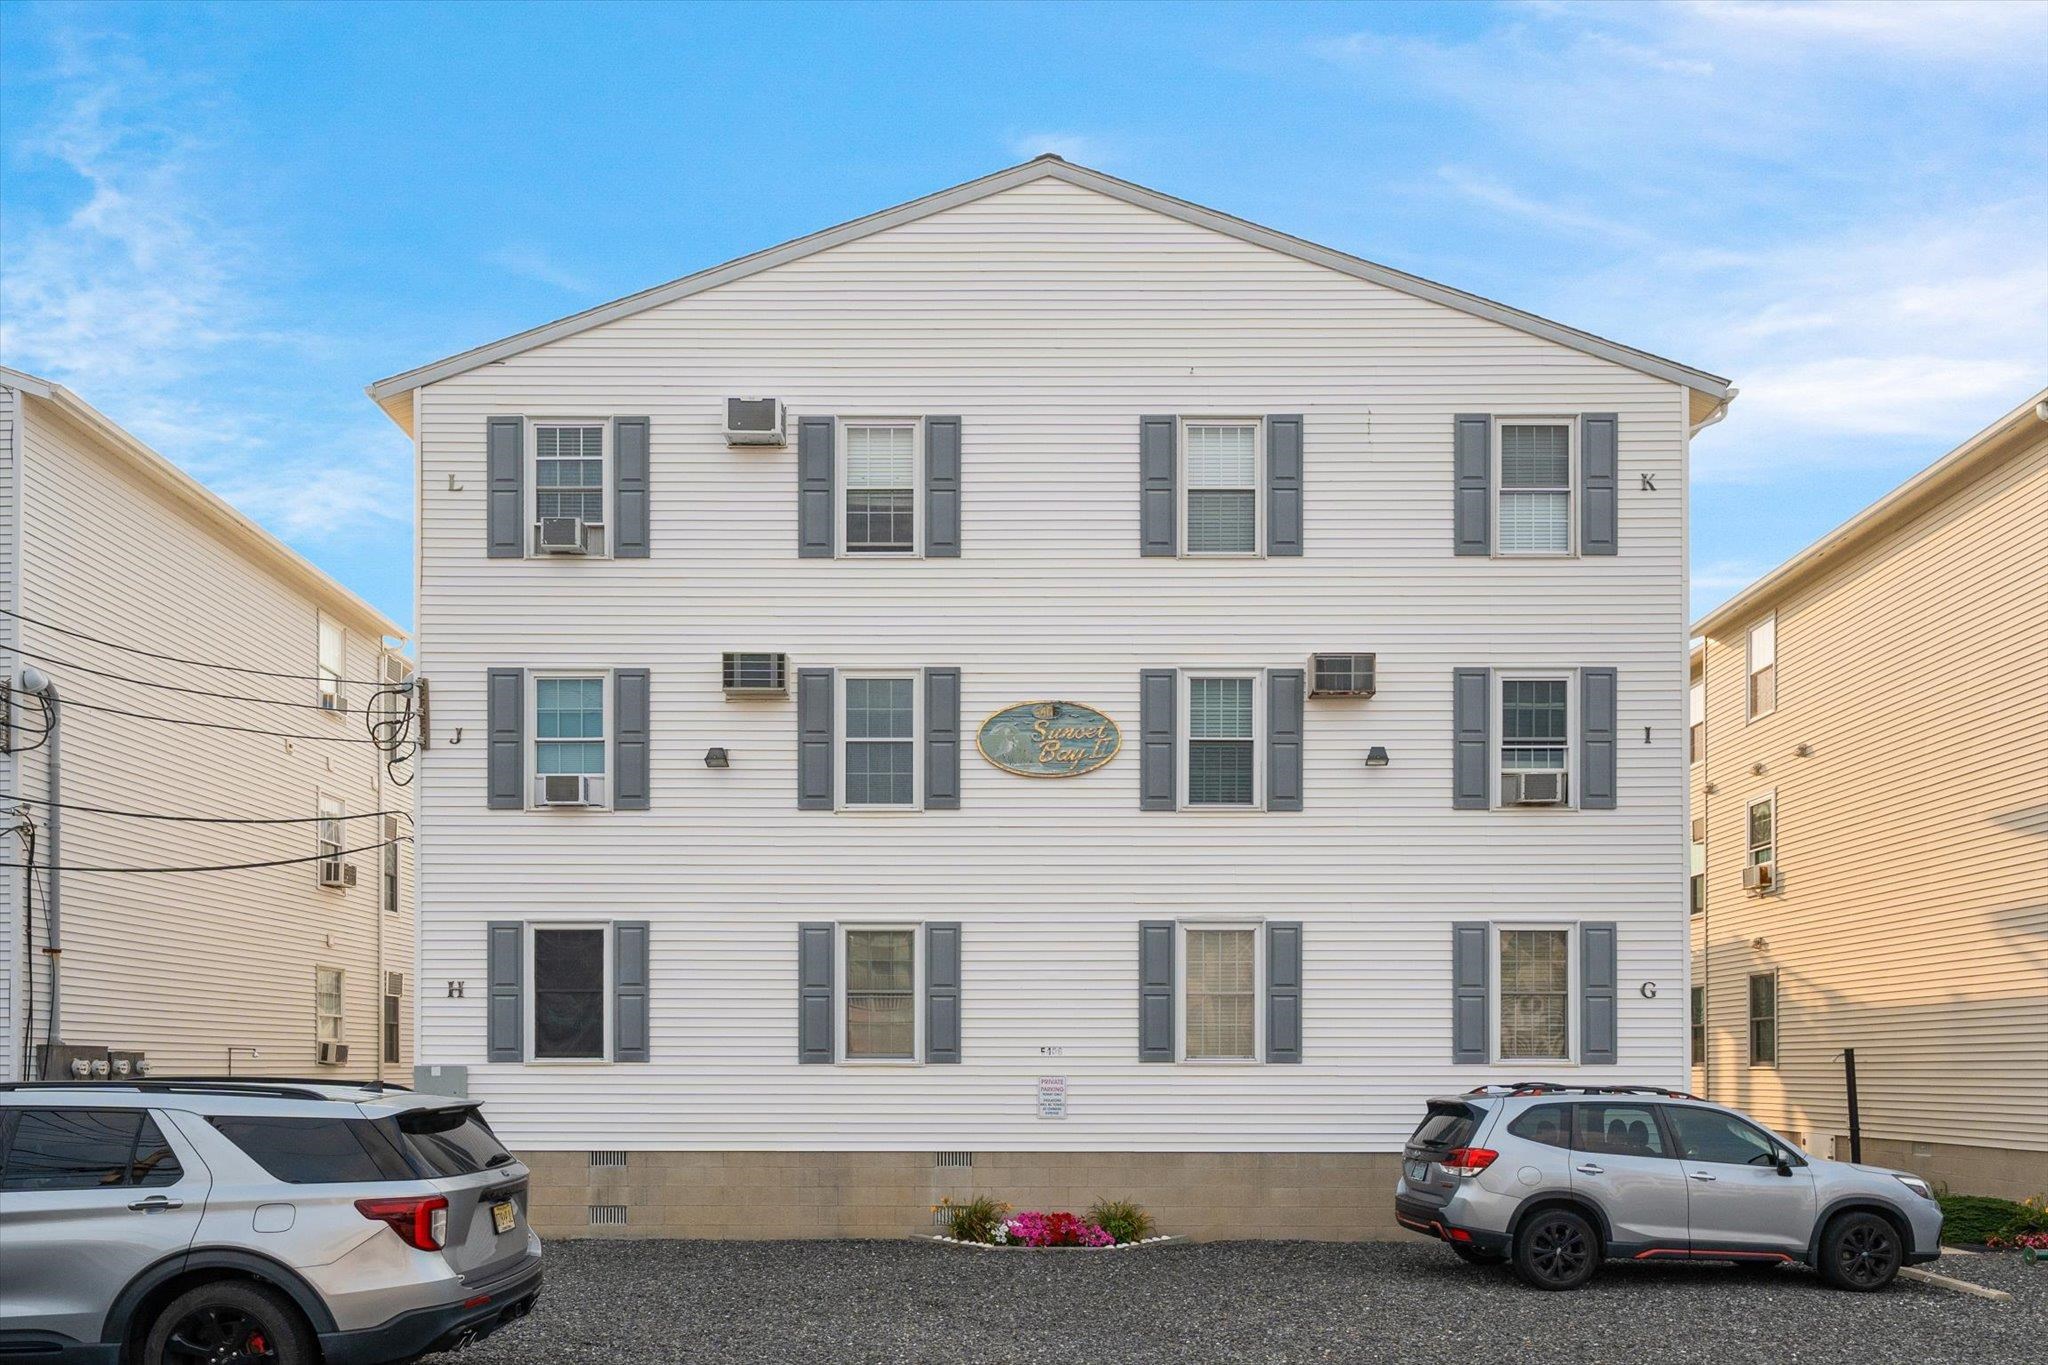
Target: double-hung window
332,663
881,464
881,741
329,1024
569,726
1222,743
1698,883
1222,469
329,832
394,994
1763,1019
568,477
1535,993
1763,667
1535,486
881,993
389,865
1699,1025
1535,731
1763,830
569,1001
1220,992
1696,731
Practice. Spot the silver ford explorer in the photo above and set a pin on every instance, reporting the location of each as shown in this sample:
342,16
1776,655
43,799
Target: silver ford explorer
160,1222
1553,1178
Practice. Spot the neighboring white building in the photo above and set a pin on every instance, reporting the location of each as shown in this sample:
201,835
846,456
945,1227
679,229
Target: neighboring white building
1049,436
110,555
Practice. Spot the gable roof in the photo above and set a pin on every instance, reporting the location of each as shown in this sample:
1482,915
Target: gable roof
392,394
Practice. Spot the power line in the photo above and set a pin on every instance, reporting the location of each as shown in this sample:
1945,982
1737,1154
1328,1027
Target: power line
212,724
194,663
335,856
204,819
193,691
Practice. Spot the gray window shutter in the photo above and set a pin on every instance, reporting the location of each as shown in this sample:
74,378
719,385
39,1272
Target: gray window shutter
504,970
942,739
1600,473
629,490
942,487
1283,992
505,724
814,739
505,487
630,745
1285,689
629,991
942,993
1155,990
1472,477
1159,751
1283,486
1598,978
1469,991
1598,737
1158,482
814,487
815,1040
1471,731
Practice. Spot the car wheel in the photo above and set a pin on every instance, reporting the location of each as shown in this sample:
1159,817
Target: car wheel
1860,1252
1556,1249
1472,1255
229,1322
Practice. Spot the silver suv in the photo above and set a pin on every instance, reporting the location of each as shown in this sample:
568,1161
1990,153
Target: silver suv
161,1222
1553,1178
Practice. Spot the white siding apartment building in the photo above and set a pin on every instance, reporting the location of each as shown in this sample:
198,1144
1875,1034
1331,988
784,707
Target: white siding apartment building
1353,607
205,672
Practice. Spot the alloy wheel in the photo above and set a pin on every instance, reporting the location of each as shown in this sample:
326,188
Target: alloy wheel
218,1336
1868,1254
1558,1250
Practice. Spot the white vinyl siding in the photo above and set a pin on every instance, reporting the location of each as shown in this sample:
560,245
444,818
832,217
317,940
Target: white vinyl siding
1221,471
1534,496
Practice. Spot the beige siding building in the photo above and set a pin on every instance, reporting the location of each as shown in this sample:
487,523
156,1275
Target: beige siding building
1874,804
118,572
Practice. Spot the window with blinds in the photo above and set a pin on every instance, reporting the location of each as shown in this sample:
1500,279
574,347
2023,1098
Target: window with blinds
1222,488
881,741
1222,742
1535,488
881,489
881,994
1535,994
568,472
1221,981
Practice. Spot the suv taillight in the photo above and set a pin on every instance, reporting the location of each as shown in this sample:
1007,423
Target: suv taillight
1467,1160
422,1221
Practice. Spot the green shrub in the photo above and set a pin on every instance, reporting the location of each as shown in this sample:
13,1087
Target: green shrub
1972,1218
1121,1219
972,1221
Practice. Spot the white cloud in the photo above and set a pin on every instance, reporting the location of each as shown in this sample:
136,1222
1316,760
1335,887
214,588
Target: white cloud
530,262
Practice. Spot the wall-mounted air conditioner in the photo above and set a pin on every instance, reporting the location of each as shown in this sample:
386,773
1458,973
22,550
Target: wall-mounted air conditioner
564,536
336,874
333,1054
568,789
1341,675
1534,789
755,675
755,422
1760,876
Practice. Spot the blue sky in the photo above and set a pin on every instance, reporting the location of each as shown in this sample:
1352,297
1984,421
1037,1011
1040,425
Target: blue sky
218,222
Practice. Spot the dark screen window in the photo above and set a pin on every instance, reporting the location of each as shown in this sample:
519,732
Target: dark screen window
87,1149
317,1151
1618,1130
1707,1135
452,1141
1445,1126
568,992
1549,1124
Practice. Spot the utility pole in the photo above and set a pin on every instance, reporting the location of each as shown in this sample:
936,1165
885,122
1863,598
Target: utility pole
34,680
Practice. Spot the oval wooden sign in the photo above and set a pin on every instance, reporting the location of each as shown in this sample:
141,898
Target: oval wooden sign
1049,739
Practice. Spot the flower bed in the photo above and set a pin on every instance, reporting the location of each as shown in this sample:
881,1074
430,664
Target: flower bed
989,1224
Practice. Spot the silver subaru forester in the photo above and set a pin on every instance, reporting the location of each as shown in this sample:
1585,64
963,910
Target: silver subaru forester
1554,1178
161,1222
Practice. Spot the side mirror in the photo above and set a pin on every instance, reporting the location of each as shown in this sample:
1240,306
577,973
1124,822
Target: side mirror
1784,1164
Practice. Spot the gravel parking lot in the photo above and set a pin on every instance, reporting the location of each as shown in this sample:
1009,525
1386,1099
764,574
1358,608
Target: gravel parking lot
847,1302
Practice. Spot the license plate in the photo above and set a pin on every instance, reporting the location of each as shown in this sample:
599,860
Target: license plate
504,1215
1418,1170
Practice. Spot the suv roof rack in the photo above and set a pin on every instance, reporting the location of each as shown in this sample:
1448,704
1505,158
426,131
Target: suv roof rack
1511,1089
274,1087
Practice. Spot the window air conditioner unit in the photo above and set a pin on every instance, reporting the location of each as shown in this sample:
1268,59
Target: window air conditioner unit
394,983
335,873
1341,675
1760,876
1699,829
564,536
755,422
1533,789
333,1054
755,675
568,789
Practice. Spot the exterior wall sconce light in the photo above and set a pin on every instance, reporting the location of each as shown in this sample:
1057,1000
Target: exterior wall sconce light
717,758
1376,756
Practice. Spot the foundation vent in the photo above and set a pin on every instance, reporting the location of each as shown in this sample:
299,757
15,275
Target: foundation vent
952,1158
607,1215
607,1159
